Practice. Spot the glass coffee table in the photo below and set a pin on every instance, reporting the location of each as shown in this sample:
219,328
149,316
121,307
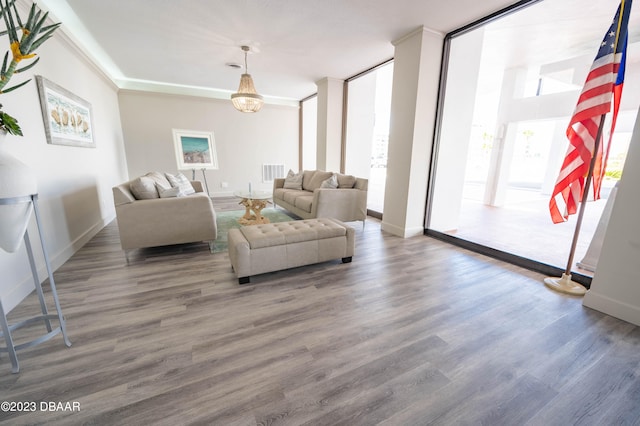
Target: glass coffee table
253,202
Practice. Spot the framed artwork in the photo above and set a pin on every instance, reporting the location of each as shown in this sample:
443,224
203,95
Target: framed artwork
67,118
195,150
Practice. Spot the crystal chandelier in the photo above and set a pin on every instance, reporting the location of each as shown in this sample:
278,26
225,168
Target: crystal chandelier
247,99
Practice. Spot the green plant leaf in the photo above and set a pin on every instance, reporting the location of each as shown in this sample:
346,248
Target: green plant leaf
15,10
11,26
9,124
4,64
12,88
26,67
42,39
26,42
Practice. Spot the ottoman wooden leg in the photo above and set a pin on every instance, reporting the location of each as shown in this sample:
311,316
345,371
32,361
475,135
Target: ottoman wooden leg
244,280
346,259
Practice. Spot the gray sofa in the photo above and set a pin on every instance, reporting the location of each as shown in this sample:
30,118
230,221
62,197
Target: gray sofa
347,202
163,221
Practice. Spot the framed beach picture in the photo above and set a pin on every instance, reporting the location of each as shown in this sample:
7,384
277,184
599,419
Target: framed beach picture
67,118
195,150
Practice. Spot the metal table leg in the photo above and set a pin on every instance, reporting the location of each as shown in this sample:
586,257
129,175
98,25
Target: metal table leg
5,328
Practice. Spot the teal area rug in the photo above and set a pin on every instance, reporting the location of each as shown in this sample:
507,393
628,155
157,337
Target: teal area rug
229,219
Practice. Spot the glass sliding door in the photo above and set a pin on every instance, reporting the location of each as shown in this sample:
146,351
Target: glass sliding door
510,88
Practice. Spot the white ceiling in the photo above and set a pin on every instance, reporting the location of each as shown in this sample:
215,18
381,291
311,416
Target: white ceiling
187,44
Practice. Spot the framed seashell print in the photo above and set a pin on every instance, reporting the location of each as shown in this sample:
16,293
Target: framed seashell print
67,118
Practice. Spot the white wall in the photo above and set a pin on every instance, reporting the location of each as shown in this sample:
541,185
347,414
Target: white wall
74,184
243,141
615,289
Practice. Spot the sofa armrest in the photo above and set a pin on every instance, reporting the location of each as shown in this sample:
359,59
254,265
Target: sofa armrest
278,183
345,204
122,194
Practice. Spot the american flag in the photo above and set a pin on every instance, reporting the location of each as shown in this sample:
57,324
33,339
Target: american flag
594,102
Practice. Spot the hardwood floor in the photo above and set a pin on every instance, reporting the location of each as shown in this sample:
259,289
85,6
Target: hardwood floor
412,332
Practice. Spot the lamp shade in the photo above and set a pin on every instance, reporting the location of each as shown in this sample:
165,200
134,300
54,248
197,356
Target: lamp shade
247,99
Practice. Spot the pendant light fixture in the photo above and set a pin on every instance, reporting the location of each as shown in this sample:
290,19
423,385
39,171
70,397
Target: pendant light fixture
247,99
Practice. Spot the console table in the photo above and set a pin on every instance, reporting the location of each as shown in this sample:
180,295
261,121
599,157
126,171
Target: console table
5,328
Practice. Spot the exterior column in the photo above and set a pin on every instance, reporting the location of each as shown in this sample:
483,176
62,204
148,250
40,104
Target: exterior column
329,142
416,75
513,84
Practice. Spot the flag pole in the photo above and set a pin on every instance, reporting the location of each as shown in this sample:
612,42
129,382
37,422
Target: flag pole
564,284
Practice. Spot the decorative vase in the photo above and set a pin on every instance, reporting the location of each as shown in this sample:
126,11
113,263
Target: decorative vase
16,180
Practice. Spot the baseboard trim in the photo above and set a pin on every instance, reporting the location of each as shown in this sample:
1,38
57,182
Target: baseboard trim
18,293
401,232
609,306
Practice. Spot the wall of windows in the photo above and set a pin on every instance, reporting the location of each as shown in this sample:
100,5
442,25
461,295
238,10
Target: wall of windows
506,100
309,125
367,130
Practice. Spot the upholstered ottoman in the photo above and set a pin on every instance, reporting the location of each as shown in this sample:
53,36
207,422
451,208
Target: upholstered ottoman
272,247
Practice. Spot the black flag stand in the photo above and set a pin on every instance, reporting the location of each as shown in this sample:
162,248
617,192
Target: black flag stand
564,284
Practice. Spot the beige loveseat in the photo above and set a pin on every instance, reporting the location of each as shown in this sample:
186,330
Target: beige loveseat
156,221
347,202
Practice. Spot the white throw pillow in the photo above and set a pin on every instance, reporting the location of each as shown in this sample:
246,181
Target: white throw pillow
168,192
143,188
181,181
159,178
293,180
332,182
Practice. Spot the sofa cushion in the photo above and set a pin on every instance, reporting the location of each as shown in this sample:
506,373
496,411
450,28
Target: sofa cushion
168,192
307,175
274,234
293,180
144,188
317,179
159,178
330,183
181,181
346,181
290,195
304,202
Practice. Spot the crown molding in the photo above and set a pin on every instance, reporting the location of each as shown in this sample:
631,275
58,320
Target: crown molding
73,33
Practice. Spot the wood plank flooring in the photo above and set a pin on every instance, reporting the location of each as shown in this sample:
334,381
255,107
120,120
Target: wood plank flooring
412,332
